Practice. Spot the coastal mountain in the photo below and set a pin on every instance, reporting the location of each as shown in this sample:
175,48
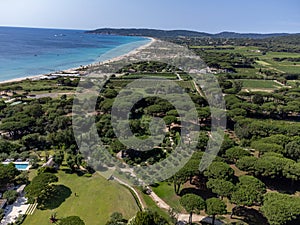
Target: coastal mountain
149,32
184,33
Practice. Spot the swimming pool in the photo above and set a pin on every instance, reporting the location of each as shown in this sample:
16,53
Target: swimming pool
20,165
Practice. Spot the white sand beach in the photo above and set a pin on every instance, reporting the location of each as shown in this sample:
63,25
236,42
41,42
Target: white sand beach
85,67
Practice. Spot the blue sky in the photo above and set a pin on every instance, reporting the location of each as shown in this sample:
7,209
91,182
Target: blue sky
210,16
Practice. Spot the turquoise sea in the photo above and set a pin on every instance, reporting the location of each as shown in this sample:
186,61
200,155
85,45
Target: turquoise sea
32,51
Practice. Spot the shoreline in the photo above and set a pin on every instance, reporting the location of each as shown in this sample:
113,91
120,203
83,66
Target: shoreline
132,52
80,69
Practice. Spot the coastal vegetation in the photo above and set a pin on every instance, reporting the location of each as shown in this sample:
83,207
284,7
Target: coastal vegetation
253,180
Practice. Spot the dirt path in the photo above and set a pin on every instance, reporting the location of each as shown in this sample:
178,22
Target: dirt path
178,76
182,217
131,188
198,89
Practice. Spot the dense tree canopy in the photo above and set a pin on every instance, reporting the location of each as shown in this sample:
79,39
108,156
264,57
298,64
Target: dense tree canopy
40,184
219,170
247,163
192,203
116,218
292,171
263,147
7,173
280,208
235,153
8,147
221,187
249,191
293,150
215,206
271,166
148,218
10,195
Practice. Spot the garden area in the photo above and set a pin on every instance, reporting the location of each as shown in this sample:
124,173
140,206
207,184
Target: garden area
91,198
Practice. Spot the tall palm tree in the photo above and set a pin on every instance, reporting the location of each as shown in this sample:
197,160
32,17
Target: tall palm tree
53,218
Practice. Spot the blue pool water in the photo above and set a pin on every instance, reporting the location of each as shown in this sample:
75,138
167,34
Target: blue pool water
21,166
30,51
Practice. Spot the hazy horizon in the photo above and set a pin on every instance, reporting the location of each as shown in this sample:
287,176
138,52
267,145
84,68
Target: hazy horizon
146,28
204,16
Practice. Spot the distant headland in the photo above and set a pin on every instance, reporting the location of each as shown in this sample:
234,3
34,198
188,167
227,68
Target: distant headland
184,33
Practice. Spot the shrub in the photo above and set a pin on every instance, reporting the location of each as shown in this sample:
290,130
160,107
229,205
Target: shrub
11,196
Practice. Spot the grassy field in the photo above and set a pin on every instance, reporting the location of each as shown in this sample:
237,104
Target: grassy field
186,84
166,192
170,76
284,66
293,83
151,205
121,83
96,200
265,61
260,84
40,86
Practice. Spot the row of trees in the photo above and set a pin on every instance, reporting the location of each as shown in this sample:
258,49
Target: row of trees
246,128
280,208
281,105
225,60
287,43
270,165
194,204
247,190
147,217
37,125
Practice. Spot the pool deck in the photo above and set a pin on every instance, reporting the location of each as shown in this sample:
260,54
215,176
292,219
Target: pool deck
19,163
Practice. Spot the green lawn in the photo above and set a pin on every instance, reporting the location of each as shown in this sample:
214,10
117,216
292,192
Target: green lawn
97,199
186,84
170,76
119,83
151,205
166,192
260,84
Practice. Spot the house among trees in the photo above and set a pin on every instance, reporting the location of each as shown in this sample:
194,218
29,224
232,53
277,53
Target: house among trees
49,163
7,93
20,190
